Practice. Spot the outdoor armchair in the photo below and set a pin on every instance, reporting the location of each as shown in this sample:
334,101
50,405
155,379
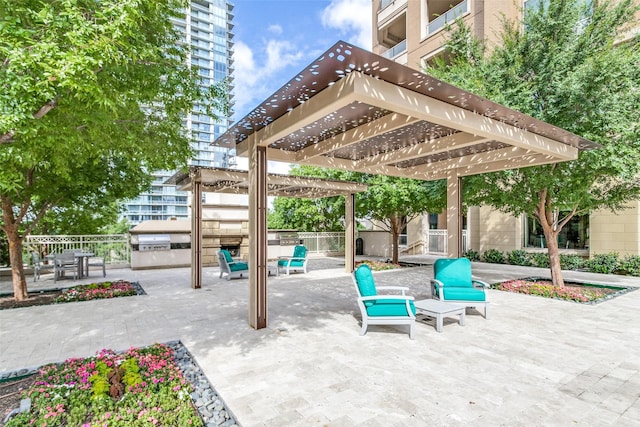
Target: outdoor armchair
231,267
453,283
296,262
377,309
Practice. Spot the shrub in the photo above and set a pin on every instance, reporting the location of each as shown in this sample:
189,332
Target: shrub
571,262
519,257
603,263
630,265
493,256
472,255
540,259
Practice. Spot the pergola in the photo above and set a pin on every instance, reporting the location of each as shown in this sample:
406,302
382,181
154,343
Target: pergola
354,110
232,181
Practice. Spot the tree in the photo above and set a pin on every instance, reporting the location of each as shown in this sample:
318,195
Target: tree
93,98
391,202
323,214
561,66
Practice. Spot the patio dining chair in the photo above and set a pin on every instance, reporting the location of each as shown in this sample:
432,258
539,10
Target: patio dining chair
98,261
453,283
64,262
39,266
382,309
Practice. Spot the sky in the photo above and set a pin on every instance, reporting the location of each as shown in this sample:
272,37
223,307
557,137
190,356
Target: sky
275,39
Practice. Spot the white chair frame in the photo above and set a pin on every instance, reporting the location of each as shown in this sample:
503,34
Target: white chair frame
367,320
477,284
225,268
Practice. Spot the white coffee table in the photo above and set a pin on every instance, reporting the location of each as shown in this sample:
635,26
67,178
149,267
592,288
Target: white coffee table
439,309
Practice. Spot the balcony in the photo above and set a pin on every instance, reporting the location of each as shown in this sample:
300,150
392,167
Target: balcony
451,15
389,9
396,50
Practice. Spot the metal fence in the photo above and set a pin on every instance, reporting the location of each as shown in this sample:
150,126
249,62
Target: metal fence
437,241
323,242
115,247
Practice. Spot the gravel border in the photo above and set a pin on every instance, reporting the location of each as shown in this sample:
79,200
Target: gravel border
212,409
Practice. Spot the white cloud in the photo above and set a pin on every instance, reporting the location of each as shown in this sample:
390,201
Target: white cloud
255,70
352,18
275,29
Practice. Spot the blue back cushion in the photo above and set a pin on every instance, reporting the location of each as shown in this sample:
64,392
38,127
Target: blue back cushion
366,284
453,272
227,255
300,251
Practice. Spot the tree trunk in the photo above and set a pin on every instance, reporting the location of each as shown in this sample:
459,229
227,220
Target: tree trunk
395,235
544,214
17,269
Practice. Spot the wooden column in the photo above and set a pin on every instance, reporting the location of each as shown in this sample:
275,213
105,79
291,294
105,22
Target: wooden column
257,235
196,234
454,215
349,232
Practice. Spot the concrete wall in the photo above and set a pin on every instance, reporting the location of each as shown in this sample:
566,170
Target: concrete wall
615,232
498,230
376,243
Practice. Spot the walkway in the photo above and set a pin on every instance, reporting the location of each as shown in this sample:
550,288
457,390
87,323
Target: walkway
534,362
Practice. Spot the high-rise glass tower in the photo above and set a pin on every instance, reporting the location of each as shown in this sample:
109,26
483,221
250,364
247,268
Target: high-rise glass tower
207,26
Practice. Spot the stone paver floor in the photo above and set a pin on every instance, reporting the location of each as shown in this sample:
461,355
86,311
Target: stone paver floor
534,362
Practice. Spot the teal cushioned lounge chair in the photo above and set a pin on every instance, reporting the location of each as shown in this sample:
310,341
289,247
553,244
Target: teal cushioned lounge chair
382,309
296,262
453,283
231,267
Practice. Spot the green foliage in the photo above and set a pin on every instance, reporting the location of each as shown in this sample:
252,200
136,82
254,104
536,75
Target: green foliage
603,263
630,265
493,256
571,262
561,69
94,94
519,257
391,202
473,255
539,259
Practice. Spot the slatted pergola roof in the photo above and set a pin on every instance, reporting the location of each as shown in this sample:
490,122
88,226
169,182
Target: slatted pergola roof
233,181
353,110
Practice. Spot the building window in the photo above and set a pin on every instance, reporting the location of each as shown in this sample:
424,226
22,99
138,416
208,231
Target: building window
574,235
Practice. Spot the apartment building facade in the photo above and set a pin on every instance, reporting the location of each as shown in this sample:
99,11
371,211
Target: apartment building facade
207,27
413,32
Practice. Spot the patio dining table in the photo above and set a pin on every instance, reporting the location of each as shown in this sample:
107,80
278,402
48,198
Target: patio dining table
82,261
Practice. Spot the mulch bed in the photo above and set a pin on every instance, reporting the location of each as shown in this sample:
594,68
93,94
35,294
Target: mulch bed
44,297
10,394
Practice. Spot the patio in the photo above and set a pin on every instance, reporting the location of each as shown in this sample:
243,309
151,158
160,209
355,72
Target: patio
535,362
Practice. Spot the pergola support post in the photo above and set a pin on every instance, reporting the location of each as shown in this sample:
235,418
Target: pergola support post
349,232
196,235
454,215
257,235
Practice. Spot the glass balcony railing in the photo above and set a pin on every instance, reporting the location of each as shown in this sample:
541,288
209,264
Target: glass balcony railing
385,3
451,15
396,50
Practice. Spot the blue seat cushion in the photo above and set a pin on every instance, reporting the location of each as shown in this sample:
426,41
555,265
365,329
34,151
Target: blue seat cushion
366,284
300,251
238,266
285,262
227,255
389,307
463,294
454,272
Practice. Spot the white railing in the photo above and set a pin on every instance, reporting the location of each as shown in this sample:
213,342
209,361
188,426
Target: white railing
323,242
116,246
396,50
450,16
437,241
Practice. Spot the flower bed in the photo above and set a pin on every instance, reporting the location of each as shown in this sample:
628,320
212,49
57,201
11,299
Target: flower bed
379,265
584,293
92,291
134,388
